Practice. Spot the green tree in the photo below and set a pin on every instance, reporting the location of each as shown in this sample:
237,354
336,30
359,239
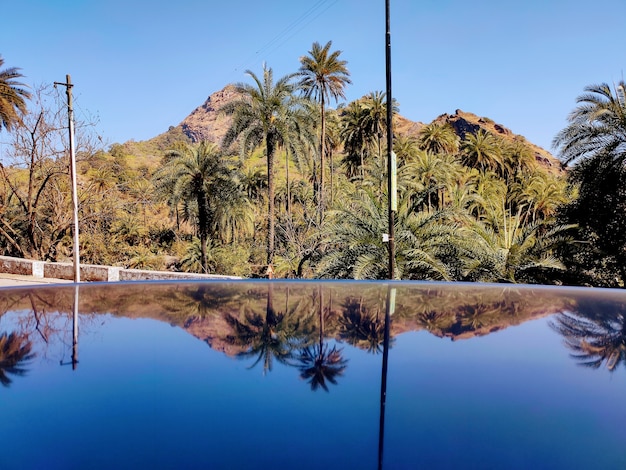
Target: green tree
512,251
595,142
597,127
13,97
199,175
323,76
439,138
268,112
482,151
356,139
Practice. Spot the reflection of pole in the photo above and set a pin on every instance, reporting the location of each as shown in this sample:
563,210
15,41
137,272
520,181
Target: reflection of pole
70,118
75,329
390,308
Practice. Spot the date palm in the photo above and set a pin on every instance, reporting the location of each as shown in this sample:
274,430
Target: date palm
323,76
482,151
198,175
356,139
268,113
513,251
439,138
597,127
13,97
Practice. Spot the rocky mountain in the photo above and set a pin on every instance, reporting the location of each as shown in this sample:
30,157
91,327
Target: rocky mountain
206,123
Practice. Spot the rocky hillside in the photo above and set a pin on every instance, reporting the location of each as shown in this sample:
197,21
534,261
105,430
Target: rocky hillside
206,123
463,123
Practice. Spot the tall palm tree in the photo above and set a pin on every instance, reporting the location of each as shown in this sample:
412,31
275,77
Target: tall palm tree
356,140
268,112
199,175
323,76
12,97
482,151
595,141
375,119
439,138
597,127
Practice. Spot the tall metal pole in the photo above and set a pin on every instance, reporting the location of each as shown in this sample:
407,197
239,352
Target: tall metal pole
70,118
391,173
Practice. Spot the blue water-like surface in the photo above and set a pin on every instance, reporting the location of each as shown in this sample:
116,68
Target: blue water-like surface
161,389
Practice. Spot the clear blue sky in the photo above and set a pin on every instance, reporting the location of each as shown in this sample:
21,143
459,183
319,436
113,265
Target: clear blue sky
142,65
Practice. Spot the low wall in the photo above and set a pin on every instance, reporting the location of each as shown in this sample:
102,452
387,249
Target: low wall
89,272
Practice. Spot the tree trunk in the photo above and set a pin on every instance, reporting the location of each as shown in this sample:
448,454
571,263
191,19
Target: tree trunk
269,142
322,156
202,229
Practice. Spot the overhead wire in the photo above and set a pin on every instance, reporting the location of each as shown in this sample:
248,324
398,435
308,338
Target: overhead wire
317,9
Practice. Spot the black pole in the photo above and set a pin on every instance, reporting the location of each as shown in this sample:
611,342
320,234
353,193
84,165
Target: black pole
390,162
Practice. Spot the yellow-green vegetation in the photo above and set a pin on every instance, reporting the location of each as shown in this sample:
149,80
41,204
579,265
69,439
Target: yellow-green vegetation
300,196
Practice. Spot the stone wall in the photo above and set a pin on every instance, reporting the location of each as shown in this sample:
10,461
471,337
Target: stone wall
88,272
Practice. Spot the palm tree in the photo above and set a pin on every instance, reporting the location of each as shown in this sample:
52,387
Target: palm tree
595,141
439,138
375,119
354,247
597,127
323,76
200,176
12,97
356,139
268,112
513,251
482,151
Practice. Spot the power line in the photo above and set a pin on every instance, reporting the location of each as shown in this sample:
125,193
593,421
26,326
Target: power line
320,7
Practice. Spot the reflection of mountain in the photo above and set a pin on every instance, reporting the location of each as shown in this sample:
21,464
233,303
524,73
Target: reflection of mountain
596,333
223,314
15,352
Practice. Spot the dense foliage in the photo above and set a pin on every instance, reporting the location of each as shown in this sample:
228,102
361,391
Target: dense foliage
473,205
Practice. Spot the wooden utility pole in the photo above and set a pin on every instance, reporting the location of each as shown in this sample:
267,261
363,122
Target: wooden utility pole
70,118
391,161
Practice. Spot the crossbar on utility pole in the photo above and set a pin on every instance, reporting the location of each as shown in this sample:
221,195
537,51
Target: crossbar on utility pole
391,173
70,118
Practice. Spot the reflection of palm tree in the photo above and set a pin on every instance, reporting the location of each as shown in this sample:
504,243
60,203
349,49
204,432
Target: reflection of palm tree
594,339
14,352
361,328
320,363
269,337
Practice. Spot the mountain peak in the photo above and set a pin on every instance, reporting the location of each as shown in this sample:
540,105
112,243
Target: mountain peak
205,123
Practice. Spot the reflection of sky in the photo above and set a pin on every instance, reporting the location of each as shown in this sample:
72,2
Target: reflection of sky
150,395
514,396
